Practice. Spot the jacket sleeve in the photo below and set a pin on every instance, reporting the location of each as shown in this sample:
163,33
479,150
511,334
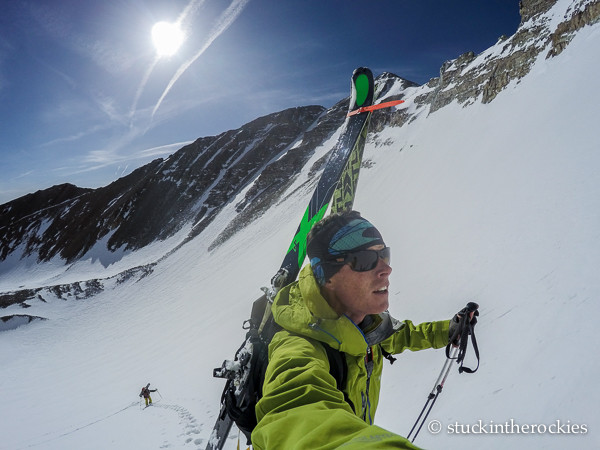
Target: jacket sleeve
420,337
302,408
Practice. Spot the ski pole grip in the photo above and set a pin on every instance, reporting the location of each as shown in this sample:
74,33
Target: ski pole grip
472,306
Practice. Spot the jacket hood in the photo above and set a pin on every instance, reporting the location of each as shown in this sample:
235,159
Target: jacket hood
301,309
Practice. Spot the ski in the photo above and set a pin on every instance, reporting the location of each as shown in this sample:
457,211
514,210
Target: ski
375,107
343,197
336,186
362,95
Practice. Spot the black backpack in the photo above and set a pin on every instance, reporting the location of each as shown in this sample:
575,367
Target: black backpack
246,373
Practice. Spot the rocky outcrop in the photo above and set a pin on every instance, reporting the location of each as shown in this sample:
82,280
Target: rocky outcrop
22,217
17,320
583,15
471,77
391,87
276,177
79,290
532,8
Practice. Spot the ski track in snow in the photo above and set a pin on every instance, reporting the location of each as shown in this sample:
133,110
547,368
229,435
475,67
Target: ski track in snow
188,424
45,439
187,421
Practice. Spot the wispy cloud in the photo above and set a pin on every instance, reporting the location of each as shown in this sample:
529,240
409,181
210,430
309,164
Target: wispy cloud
161,150
73,137
24,174
109,107
122,150
69,80
224,22
99,159
108,55
189,10
112,156
140,89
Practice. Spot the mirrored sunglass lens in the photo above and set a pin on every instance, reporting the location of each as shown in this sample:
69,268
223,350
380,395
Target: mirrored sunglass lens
386,255
365,260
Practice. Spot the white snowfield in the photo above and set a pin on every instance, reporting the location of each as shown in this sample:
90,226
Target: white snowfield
497,204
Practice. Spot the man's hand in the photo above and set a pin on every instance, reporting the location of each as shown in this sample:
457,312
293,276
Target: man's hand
457,323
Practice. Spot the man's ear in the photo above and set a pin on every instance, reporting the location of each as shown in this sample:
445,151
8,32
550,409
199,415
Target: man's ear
328,289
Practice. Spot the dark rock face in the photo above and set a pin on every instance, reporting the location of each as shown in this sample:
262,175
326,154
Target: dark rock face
17,320
390,116
531,8
156,200
560,38
23,215
79,290
275,178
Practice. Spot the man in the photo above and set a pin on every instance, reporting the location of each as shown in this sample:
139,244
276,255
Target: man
340,299
146,394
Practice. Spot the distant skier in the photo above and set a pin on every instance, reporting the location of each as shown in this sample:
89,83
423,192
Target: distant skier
146,394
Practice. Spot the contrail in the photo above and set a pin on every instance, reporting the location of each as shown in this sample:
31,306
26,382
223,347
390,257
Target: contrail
193,4
226,19
141,88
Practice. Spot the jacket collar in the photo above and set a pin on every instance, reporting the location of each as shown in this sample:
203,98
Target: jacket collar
301,309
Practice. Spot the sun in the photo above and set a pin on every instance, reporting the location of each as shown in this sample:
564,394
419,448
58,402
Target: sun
167,38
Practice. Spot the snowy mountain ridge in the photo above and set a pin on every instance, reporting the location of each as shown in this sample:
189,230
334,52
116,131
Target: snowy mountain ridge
65,224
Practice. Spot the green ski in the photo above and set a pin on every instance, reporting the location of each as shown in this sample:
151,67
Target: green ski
338,180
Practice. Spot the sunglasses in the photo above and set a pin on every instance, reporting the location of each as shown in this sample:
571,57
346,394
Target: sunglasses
364,260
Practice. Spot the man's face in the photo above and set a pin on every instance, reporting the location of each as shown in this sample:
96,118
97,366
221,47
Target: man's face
358,294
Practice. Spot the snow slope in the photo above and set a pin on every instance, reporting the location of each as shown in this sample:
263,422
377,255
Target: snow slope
495,203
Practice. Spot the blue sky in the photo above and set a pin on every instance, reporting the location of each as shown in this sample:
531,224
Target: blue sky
84,99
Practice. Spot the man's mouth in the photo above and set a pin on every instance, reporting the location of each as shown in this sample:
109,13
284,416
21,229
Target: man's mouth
382,290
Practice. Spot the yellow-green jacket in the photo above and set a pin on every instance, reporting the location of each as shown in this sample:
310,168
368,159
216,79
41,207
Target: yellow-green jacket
301,407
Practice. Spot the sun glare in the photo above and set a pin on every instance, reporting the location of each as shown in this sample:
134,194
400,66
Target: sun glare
167,38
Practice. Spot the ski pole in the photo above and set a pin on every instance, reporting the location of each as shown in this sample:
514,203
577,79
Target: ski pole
159,394
435,392
455,351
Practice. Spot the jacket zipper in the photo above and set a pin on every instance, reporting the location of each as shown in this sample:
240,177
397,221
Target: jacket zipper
366,402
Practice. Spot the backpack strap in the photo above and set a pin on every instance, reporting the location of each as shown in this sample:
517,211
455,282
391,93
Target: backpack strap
387,355
338,368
